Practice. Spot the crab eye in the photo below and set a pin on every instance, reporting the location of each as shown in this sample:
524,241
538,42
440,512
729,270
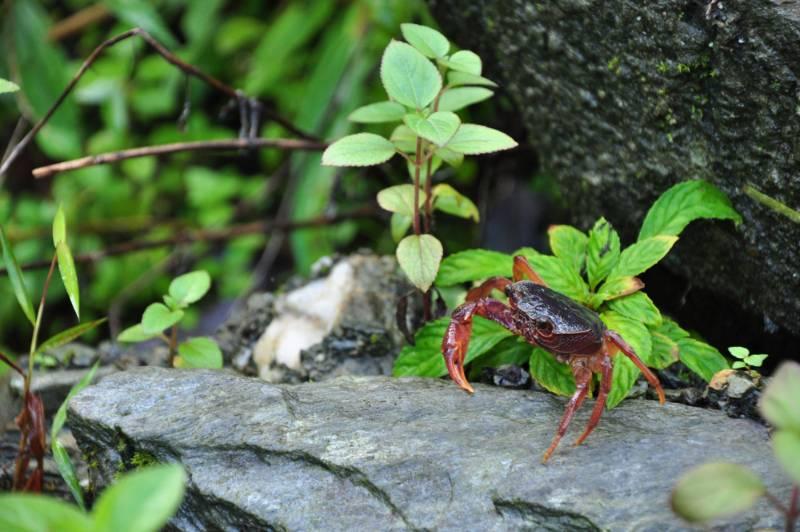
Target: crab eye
545,328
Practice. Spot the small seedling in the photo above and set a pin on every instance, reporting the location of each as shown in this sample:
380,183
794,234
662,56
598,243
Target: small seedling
198,352
721,489
746,360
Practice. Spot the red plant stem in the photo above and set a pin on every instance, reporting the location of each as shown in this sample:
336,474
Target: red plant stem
417,164
794,510
12,364
428,202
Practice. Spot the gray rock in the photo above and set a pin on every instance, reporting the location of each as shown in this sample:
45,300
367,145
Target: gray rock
623,98
405,454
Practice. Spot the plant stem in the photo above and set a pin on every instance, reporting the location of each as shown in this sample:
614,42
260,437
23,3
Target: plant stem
173,345
417,165
428,202
13,365
794,510
37,325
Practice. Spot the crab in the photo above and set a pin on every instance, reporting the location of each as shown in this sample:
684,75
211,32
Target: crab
573,333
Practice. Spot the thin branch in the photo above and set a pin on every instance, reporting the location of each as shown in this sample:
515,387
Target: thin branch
12,364
170,58
210,235
147,151
76,22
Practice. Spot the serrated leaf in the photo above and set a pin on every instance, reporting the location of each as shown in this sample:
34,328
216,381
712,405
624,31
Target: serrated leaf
465,61
7,86
779,403
59,226
361,149
473,265
622,381
189,287
69,276
376,113
451,157
551,374
682,204
457,79
400,224
143,500
427,40
671,329
199,352
602,252
400,199
408,77
568,244
637,306
424,358
65,337
419,257
438,128
449,200
15,276
701,358
786,444
472,139
665,350
557,274
634,332
715,490
135,334
404,139
158,317
639,257
457,98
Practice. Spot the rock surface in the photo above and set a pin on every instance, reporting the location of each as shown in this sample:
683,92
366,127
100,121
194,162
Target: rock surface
623,98
404,454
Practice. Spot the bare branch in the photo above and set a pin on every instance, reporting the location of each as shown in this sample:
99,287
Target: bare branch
146,151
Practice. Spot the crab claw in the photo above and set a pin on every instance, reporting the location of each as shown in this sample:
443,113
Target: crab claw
454,346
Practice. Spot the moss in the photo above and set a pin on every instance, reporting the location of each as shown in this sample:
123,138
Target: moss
143,459
614,65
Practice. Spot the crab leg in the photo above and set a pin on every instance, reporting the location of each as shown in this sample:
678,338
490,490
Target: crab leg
628,351
606,371
456,338
523,269
486,288
583,375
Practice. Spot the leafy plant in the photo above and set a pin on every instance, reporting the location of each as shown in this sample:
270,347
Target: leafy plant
593,269
31,419
746,360
141,501
431,133
198,352
720,489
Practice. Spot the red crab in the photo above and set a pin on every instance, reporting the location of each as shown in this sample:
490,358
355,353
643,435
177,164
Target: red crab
572,332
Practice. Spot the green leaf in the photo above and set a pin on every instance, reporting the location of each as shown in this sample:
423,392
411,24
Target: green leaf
684,203
408,77
665,350
457,79
69,276
671,329
361,149
199,352
15,276
190,287
438,127
551,374
739,352
7,86
715,490
142,501
436,162
779,403
135,334
376,113
158,317
623,379
602,252
404,139
400,199
557,274
65,337
472,139
640,256
458,98
786,444
37,513
424,358
634,332
59,227
400,223
568,244
473,265
419,257
755,360
465,61
739,365
60,454
512,350
427,40
637,306
449,200
701,358
453,158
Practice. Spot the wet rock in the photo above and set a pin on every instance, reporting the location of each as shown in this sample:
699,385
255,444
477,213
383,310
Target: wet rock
375,453
622,99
